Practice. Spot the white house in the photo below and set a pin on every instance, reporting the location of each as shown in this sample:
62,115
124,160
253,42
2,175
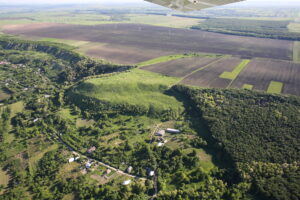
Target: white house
127,182
71,160
151,173
160,144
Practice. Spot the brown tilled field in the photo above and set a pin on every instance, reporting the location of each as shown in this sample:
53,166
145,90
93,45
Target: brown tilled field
209,76
146,40
260,72
180,67
119,54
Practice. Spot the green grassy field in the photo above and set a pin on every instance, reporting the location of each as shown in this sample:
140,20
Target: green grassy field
136,87
174,57
275,87
164,59
16,108
35,156
294,27
248,86
296,52
84,122
233,75
4,178
168,21
96,18
74,43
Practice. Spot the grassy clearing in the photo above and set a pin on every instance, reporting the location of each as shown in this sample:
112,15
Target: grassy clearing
296,52
84,122
233,75
74,43
165,59
69,197
36,156
248,86
70,170
66,114
8,22
16,108
294,27
275,87
4,178
136,87
95,19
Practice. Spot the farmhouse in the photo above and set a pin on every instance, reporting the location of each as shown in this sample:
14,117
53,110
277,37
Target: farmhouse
71,160
160,133
171,130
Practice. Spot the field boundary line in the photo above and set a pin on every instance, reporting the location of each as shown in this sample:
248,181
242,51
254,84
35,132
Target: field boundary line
199,69
243,66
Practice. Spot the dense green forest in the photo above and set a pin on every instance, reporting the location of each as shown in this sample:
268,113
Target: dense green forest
69,65
259,132
248,27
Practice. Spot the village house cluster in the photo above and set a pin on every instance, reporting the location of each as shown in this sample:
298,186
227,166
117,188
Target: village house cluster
89,165
161,133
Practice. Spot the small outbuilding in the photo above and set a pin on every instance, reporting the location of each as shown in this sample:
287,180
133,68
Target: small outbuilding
88,165
127,182
171,130
77,158
129,169
71,160
160,133
151,173
160,144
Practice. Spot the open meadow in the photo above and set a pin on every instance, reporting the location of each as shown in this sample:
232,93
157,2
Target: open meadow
138,88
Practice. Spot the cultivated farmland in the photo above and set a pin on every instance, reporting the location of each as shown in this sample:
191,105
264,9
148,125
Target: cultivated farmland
209,75
180,67
261,72
135,42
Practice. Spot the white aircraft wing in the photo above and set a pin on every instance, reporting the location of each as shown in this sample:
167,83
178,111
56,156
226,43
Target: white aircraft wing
191,5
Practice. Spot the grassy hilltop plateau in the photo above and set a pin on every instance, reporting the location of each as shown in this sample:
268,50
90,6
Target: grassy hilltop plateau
133,103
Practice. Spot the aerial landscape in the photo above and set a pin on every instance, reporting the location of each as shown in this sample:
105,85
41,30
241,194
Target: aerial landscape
156,100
